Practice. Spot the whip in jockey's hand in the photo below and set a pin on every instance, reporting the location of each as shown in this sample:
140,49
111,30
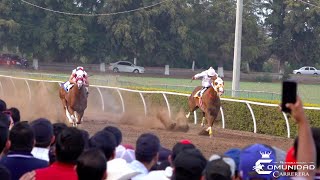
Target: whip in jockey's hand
208,76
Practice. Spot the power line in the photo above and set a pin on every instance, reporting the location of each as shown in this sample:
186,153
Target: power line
304,2
103,14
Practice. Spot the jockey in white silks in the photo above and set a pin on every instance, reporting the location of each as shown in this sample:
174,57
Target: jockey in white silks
73,76
207,79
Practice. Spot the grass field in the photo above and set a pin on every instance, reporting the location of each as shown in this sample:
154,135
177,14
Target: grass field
268,91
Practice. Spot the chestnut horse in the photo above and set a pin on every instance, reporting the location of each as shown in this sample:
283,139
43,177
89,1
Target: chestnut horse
75,101
209,103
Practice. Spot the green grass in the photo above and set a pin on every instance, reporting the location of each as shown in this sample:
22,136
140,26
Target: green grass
268,91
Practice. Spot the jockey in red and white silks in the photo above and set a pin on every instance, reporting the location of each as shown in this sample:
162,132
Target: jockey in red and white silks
207,78
73,77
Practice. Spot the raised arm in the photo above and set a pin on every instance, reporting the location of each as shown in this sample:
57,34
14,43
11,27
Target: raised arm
306,146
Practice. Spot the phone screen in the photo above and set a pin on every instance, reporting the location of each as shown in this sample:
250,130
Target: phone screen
289,94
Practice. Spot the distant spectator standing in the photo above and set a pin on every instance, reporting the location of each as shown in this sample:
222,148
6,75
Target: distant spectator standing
43,131
19,160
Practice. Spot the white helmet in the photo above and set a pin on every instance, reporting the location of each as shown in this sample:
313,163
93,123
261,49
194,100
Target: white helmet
79,68
211,72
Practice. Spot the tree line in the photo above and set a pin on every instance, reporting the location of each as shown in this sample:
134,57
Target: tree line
174,32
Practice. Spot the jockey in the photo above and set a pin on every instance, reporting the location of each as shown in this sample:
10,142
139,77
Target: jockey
72,78
207,77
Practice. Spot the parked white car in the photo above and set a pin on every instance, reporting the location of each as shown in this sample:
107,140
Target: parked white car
125,66
307,70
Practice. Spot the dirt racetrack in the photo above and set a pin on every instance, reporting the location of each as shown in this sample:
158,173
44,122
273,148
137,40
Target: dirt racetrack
42,101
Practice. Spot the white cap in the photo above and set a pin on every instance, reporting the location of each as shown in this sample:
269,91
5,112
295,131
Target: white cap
211,72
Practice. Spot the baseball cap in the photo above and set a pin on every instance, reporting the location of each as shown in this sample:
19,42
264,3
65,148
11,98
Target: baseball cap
220,165
250,155
234,153
189,164
185,141
43,131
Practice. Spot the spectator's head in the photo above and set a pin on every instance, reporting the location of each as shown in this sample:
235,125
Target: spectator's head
91,164
69,145
58,128
189,164
234,153
180,146
248,158
106,142
21,137
316,137
85,136
147,149
15,114
43,131
3,105
4,134
220,167
116,132
5,119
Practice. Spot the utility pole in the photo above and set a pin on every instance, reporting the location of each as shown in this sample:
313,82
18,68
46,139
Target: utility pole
237,50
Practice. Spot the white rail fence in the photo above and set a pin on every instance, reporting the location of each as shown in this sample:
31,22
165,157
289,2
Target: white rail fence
119,90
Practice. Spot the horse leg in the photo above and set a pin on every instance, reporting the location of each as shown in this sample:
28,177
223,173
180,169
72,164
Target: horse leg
71,116
210,120
79,116
203,119
192,105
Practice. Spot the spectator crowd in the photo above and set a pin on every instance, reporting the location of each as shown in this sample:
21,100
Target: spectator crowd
41,150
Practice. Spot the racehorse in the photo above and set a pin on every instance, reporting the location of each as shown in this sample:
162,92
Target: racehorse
209,103
75,101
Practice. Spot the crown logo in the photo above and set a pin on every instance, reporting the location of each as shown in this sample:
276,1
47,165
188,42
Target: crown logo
265,155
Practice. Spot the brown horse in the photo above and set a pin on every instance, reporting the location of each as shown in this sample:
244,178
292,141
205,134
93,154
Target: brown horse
75,101
209,103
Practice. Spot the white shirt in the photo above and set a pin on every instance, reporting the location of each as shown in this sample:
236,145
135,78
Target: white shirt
139,167
40,153
159,175
118,169
206,80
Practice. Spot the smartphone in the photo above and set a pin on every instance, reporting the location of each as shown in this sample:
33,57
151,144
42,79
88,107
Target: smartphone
289,94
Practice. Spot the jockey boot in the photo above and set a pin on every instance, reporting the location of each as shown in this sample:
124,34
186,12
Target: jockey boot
202,91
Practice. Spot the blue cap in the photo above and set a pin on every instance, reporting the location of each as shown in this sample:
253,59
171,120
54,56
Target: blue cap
250,157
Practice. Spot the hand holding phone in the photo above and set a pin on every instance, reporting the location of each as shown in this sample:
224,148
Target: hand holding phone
289,94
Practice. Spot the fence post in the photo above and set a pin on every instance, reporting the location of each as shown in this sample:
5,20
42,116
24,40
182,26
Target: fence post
35,64
166,70
102,67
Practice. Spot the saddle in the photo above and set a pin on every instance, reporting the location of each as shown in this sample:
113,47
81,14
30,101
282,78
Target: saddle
68,87
197,94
